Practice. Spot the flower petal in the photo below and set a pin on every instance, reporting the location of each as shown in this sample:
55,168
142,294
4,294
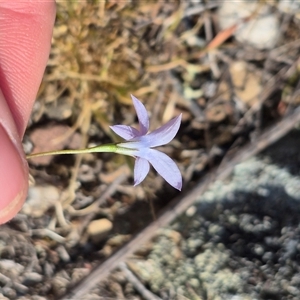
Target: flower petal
141,114
136,145
163,134
141,169
125,132
164,165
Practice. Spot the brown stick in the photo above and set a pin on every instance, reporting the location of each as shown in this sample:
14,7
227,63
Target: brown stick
181,203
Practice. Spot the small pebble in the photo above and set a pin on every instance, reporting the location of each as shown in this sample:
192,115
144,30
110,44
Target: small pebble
9,292
20,288
12,267
30,278
40,199
63,254
79,273
60,285
48,269
261,32
98,230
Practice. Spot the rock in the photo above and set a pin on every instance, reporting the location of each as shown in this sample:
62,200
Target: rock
59,285
246,83
10,268
2,297
98,230
60,110
48,269
79,273
20,288
8,292
52,138
289,7
93,297
40,199
63,254
4,280
261,32
31,278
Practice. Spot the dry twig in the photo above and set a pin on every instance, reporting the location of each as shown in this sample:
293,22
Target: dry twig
146,294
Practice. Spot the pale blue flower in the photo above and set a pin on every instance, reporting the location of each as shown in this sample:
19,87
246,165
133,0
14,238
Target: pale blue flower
139,144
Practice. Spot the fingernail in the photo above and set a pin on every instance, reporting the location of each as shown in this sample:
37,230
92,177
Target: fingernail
13,178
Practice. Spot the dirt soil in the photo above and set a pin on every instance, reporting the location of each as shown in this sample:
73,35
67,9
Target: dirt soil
231,79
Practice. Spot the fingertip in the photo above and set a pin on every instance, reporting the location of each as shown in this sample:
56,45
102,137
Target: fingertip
25,41
13,178
25,34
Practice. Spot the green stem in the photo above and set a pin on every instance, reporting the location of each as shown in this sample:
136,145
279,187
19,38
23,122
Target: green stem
102,148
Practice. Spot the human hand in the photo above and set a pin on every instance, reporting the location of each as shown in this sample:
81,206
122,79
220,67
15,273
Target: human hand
25,38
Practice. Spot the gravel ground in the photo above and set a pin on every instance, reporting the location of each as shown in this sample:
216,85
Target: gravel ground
241,238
